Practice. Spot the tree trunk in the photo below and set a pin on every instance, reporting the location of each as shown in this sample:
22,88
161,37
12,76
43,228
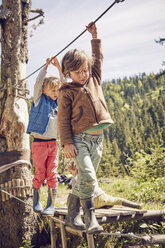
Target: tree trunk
18,221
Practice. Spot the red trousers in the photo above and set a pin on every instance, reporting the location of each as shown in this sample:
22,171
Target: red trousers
45,160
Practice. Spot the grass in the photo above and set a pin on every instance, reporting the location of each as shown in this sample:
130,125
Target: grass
61,196
151,194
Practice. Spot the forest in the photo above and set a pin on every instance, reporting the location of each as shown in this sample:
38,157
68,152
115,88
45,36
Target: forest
134,144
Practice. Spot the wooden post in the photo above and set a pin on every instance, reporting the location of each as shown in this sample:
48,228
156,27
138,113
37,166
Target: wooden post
3,194
52,233
18,189
27,185
6,186
22,184
14,185
10,190
63,233
90,240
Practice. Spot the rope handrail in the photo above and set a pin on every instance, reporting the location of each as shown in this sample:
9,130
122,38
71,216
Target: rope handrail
116,1
9,166
18,199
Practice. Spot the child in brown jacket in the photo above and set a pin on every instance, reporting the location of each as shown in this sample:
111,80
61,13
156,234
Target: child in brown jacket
82,116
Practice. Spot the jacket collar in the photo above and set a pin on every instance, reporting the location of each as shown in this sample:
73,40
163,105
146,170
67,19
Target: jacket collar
73,85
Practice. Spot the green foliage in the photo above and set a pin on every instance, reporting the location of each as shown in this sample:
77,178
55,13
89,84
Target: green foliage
139,226
27,244
151,193
148,166
137,108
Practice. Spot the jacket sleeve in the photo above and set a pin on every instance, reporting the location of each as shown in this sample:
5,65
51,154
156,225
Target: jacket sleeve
64,118
38,86
98,59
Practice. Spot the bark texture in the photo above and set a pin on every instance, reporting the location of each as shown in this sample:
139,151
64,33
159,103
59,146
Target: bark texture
18,218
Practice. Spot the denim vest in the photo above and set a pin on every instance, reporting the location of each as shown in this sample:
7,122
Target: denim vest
39,115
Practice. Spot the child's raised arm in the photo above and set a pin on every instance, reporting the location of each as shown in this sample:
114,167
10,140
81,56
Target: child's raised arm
56,63
91,27
48,61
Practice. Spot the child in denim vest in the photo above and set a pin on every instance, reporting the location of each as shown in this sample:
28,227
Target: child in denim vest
43,127
82,117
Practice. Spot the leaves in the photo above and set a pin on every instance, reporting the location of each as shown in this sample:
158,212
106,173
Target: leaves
137,108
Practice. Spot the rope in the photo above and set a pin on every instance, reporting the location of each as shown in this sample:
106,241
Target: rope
145,236
24,203
18,199
116,1
9,166
15,197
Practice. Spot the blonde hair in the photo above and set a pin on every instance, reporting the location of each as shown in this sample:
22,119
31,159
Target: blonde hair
73,59
50,82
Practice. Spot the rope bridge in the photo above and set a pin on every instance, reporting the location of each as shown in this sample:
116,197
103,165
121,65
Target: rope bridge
104,216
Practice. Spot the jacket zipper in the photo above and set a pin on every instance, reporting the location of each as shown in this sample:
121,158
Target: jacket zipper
91,103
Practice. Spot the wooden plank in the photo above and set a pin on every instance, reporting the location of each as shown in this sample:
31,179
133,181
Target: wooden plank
14,182
3,194
6,189
61,211
151,214
118,211
74,231
22,184
157,239
63,233
10,190
140,211
68,228
106,212
119,214
99,213
27,186
52,233
90,240
18,187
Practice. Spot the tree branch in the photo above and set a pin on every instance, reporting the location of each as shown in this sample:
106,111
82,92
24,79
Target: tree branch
39,11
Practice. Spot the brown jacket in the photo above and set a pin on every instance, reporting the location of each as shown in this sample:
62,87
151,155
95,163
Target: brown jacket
81,107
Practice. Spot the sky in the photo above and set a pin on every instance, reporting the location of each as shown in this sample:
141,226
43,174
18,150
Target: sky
128,32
